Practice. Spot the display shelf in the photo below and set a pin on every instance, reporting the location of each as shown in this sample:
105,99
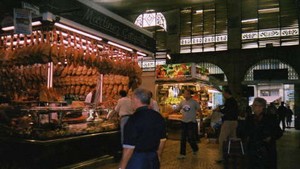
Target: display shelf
57,153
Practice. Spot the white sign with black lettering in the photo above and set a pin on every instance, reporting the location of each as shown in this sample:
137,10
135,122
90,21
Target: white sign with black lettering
22,21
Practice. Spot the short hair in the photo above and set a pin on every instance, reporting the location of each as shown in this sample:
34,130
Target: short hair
143,95
261,101
227,90
123,93
189,90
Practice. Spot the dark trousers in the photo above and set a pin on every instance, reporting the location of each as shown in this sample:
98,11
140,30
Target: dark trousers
188,134
263,156
143,160
282,121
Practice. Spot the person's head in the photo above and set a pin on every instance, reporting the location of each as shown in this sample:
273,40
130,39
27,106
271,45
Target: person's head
259,106
226,92
282,103
140,97
122,93
187,94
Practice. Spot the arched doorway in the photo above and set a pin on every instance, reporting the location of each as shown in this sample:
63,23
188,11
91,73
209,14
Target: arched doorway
274,81
217,78
216,74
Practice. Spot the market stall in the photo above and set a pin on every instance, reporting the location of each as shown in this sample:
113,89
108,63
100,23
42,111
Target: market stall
172,80
45,77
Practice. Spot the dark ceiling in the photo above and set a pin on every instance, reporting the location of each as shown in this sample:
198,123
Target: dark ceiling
134,7
124,8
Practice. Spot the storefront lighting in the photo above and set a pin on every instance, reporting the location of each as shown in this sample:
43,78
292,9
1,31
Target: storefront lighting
213,91
168,56
36,23
72,37
268,10
120,46
77,31
199,11
142,54
21,42
254,20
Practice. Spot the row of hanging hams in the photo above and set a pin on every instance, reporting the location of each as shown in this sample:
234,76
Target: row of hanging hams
24,66
78,90
21,81
112,84
49,94
72,70
76,80
110,90
115,79
59,53
44,53
23,49
36,72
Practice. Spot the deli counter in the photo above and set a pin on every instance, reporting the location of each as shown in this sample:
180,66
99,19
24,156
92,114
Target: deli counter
55,136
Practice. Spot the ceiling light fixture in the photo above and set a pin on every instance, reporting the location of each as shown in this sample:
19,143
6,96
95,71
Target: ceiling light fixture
36,23
199,11
77,31
254,20
168,56
142,54
120,46
268,10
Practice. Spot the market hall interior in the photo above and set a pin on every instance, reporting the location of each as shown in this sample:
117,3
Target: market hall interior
252,47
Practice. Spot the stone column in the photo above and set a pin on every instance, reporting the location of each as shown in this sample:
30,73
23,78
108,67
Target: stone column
234,24
297,106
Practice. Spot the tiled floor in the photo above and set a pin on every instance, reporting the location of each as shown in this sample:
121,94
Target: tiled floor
288,154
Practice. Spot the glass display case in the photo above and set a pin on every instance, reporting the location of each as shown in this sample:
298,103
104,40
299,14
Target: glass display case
52,135
57,120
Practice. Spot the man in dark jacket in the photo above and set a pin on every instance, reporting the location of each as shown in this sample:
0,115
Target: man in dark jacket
230,123
144,135
262,131
281,112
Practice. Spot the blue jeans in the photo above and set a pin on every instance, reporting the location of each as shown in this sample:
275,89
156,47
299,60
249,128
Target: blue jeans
143,160
188,133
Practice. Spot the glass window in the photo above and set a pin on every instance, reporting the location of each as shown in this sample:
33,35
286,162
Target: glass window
150,19
267,23
203,28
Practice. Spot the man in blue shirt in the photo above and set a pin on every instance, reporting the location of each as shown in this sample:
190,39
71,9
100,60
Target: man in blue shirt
144,135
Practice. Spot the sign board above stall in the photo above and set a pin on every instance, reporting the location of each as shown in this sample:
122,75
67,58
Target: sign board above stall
181,72
22,21
174,71
92,15
150,65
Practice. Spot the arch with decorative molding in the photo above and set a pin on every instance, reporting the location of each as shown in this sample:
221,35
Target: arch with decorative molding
151,19
271,64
